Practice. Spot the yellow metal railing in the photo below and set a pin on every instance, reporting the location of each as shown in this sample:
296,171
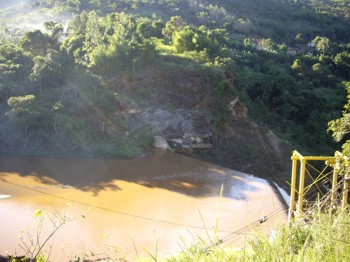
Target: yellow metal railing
297,196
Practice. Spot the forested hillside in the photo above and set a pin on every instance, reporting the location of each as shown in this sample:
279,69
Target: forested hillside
102,77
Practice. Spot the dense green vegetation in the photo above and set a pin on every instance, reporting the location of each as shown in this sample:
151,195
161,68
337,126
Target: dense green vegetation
66,88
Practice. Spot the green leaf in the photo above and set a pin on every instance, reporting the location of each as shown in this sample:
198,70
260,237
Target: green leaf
37,213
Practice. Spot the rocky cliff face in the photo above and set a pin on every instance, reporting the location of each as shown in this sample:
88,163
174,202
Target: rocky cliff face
187,115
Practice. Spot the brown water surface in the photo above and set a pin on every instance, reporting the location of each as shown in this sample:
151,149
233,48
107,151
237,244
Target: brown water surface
126,208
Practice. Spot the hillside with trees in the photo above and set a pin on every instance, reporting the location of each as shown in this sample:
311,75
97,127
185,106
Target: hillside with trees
261,77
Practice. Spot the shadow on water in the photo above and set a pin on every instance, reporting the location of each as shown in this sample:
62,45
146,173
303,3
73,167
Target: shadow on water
159,169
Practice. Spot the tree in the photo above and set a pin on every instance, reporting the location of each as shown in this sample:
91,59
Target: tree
176,23
200,39
54,28
148,29
56,121
144,29
73,46
268,44
77,26
15,66
36,43
75,3
48,70
93,35
322,44
300,40
157,28
342,60
340,129
23,112
298,66
248,42
183,40
38,71
123,47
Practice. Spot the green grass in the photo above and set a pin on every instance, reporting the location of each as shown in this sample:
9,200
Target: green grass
321,234
326,238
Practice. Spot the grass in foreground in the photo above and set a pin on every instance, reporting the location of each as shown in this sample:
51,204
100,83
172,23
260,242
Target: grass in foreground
326,238
323,234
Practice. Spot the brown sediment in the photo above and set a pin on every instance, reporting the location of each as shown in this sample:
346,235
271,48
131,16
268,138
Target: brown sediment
117,206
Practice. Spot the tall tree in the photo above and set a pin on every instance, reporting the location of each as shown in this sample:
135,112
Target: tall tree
93,36
37,43
77,25
48,71
322,44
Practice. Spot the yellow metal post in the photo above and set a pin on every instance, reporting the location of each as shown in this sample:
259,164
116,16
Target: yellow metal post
345,191
300,194
301,185
334,184
292,189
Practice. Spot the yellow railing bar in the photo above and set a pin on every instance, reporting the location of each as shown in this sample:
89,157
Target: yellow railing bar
334,185
293,188
330,160
313,158
298,156
301,186
345,192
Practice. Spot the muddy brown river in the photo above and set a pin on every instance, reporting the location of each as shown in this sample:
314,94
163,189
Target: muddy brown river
158,205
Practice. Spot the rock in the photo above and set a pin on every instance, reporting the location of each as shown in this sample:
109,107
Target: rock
237,108
179,129
133,111
161,143
198,146
197,135
176,140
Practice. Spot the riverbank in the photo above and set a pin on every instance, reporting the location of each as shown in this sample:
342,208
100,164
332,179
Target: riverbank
67,154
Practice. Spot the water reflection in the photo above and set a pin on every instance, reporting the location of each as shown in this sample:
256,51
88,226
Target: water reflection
139,203
174,172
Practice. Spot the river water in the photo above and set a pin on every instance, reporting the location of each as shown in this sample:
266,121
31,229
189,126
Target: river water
158,205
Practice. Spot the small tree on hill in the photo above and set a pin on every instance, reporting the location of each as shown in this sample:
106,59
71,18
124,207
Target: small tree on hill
322,44
340,129
23,113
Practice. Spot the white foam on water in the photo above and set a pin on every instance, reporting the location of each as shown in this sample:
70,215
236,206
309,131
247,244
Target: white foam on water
284,194
4,196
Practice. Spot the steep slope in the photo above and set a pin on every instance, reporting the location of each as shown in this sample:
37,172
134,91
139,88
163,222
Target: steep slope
218,80
186,102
